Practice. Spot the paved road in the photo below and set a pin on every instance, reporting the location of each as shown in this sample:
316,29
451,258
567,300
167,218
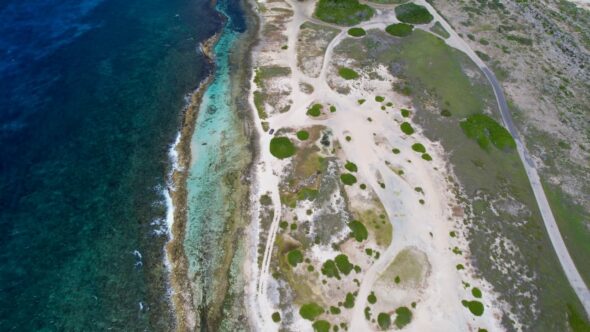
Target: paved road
571,272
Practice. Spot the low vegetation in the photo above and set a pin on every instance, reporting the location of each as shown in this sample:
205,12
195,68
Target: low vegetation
303,135
282,147
356,32
295,257
413,13
418,147
350,166
384,320
321,326
310,311
399,29
359,231
343,12
407,128
347,73
403,317
348,179
486,131
315,110
475,307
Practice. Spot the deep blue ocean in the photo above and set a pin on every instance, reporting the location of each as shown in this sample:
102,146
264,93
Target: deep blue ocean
91,98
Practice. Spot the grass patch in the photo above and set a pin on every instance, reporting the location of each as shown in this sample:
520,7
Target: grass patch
403,317
356,32
343,264
315,110
347,73
282,147
399,29
302,135
475,307
350,166
310,311
359,231
412,13
348,179
343,12
418,147
487,131
438,29
406,128
321,326
384,320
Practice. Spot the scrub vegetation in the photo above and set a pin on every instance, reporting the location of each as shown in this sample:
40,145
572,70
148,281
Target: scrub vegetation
399,29
403,317
282,147
315,110
347,73
487,131
356,32
343,12
412,13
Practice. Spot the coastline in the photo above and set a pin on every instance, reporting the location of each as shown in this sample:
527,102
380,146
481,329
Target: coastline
188,315
181,296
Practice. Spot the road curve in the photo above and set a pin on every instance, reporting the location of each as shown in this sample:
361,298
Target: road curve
571,272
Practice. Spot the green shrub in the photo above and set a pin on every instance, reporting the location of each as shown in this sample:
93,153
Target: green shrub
282,147
332,109
475,307
307,194
349,301
294,257
359,231
460,267
426,157
276,317
343,264
321,326
445,113
486,131
413,13
357,32
361,101
347,73
330,270
343,12
395,151
405,113
384,320
348,179
315,110
310,311
379,99
476,292
335,310
403,317
399,29
418,147
372,298
302,135
407,128
350,166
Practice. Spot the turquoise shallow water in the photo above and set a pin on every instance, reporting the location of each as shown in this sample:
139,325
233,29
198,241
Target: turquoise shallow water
91,93
214,147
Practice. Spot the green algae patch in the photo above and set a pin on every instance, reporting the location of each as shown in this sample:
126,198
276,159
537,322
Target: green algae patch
403,317
295,257
343,264
399,29
486,131
418,148
407,128
303,135
315,110
350,166
276,317
347,73
475,307
343,12
359,231
310,311
356,32
384,320
282,147
413,13
348,179
321,326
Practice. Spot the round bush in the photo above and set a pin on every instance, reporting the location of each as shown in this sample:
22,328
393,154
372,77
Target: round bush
302,135
399,29
282,147
357,32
